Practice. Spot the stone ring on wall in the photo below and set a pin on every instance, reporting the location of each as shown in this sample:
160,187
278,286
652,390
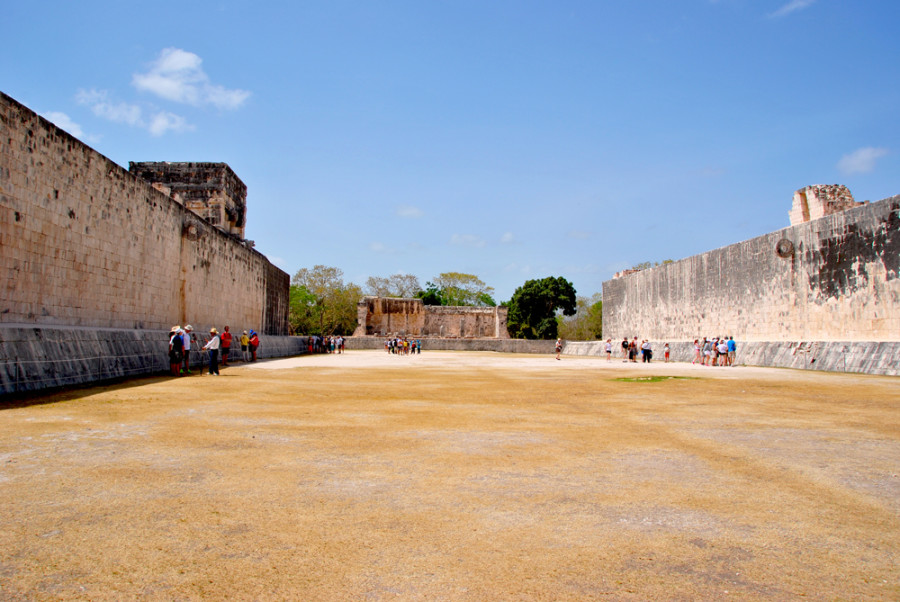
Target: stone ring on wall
784,248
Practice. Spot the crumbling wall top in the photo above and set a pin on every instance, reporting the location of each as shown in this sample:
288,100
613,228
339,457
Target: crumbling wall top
819,200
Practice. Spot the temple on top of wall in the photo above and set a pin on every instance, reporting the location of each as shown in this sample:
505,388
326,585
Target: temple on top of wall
823,293
383,316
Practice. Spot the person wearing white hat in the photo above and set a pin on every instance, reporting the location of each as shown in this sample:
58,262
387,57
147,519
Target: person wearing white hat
176,349
213,347
188,336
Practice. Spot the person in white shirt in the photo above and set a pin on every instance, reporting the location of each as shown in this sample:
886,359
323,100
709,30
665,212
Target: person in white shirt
213,347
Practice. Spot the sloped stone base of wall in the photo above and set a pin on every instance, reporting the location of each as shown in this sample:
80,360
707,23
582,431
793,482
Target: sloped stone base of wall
443,344
862,357
33,358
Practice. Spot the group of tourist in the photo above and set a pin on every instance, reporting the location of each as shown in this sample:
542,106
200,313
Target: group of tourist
403,346
183,340
317,344
719,351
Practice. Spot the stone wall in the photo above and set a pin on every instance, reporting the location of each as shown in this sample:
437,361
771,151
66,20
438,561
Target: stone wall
379,316
866,357
833,279
34,358
443,344
83,242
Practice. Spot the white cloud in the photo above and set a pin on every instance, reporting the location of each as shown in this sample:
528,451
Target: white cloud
466,240
158,123
409,211
791,7
861,160
163,122
507,238
177,75
117,112
579,234
65,122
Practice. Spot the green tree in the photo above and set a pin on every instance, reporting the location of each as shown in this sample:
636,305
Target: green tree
534,305
431,295
464,289
398,285
330,303
301,306
587,323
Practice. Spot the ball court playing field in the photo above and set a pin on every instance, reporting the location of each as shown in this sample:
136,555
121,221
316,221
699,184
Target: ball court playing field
455,476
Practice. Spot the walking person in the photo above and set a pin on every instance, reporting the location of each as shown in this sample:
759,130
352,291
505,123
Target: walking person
558,347
608,350
213,347
666,352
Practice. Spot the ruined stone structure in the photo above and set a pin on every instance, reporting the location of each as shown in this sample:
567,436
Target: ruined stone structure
211,190
820,200
86,244
827,289
380,316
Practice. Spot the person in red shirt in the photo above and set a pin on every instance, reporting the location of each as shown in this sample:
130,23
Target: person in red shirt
226,345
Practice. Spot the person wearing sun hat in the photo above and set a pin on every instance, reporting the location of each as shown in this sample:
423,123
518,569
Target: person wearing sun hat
213,347
176,349
188,336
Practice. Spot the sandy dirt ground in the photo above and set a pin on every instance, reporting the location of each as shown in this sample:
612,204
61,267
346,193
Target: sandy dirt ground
455,476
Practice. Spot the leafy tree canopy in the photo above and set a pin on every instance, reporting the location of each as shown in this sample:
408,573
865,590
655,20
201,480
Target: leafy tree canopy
587,323
398,285
456,288
533,307
321,303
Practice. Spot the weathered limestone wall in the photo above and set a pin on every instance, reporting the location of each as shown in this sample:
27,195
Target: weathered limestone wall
830,280
384,316
466,322
83,242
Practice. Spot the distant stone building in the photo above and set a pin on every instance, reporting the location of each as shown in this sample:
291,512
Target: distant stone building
379,316
211,190
820,200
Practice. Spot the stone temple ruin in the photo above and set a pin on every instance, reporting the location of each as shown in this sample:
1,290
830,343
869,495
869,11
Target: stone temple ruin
380,316
814,202
211,190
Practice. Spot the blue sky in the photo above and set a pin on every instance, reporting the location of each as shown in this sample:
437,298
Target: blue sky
511,140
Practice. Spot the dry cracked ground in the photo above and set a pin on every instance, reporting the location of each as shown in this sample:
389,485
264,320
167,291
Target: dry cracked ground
455,476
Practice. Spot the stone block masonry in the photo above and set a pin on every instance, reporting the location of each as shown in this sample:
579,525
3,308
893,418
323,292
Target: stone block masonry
381,316
85,243
824,284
